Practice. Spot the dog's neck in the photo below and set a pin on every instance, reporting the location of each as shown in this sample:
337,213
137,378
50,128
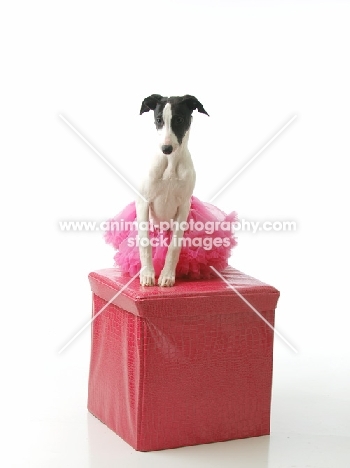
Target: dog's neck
166,166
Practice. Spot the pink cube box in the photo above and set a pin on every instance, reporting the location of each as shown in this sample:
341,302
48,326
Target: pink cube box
186,365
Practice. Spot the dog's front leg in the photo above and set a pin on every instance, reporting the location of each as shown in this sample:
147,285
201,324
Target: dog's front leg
167,276
145,249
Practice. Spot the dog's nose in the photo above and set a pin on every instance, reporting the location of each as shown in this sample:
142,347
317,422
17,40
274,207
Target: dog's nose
167,149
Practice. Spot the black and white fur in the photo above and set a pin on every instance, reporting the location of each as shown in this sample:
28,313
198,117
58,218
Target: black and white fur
169,184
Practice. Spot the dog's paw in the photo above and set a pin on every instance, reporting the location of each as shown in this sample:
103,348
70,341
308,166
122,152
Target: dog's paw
147,277
166,278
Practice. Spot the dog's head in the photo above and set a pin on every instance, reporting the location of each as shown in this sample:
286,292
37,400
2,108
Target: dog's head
172,117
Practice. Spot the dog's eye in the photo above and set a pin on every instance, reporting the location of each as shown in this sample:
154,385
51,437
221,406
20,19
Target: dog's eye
158,120
178,120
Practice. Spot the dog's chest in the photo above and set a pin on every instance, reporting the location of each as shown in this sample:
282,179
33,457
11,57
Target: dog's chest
169,188
167,196
171,178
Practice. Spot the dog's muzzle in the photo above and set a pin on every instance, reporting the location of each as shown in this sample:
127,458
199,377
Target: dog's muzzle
167,149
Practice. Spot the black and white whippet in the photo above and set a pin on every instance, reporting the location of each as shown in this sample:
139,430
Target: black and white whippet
170,181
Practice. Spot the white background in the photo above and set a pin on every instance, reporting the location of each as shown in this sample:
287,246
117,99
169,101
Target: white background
253,65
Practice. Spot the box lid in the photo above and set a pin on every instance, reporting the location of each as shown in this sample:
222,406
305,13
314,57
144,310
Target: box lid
186,298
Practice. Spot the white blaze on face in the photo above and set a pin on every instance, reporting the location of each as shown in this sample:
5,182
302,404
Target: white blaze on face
166,134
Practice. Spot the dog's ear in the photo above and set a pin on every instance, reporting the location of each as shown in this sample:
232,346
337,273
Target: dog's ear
192,103
150,103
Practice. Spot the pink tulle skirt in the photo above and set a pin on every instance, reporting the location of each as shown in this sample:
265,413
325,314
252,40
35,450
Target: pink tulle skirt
207,241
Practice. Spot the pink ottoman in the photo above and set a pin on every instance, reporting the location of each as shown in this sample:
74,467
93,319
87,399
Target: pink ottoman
181,366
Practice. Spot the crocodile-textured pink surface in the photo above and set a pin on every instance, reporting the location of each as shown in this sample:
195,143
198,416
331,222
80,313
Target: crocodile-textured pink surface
181,366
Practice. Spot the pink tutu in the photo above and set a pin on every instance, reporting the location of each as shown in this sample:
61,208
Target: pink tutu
208,241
